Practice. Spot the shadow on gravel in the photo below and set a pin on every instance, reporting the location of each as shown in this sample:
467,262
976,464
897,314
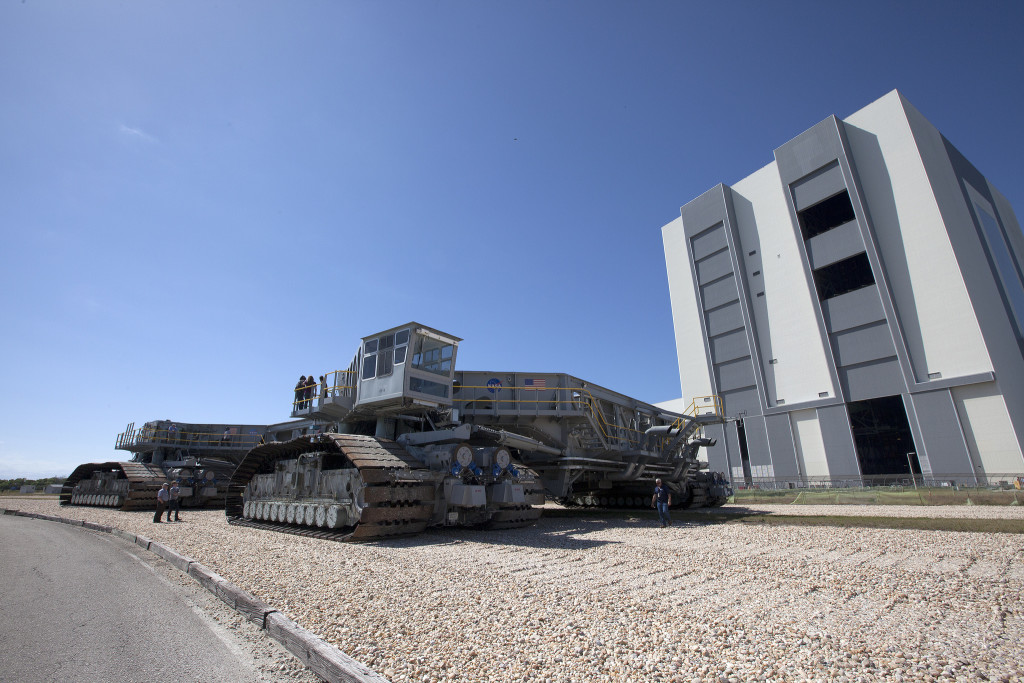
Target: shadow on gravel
691,517
743,515
561,534
555,531
731,510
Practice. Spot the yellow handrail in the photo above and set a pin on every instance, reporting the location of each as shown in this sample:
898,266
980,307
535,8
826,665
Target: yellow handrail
329,388
701,405
708,405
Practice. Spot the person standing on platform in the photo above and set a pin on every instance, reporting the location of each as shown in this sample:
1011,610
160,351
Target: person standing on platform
300,389
163,496
310,390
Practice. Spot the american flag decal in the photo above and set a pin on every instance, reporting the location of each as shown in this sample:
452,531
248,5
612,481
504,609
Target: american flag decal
535,384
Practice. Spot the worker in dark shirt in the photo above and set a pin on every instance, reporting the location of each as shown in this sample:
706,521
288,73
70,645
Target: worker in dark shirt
175,505
661,499
163,496
309,391
300,390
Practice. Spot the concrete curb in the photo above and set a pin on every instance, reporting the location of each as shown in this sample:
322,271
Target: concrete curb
176,559
321,657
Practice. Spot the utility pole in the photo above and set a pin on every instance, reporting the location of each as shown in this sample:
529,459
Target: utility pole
911,466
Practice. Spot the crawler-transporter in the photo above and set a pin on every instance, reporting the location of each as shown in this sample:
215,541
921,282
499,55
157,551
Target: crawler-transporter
200,456
401,441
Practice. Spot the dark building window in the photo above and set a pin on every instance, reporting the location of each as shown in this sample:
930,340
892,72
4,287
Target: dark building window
1007,273
882,436
824,216
843,276
741,435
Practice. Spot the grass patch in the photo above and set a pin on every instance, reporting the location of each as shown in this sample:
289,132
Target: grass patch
880,496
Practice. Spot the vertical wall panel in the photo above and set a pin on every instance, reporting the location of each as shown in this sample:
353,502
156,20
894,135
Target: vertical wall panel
780,439
810,448
839,448
718,459
944,441
732,369
986,423
757,441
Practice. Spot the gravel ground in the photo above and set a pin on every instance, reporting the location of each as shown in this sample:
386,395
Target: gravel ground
593,600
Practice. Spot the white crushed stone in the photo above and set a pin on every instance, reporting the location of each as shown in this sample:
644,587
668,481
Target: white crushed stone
586,599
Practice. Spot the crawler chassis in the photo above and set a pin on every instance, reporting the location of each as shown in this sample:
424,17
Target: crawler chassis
200,456
401,441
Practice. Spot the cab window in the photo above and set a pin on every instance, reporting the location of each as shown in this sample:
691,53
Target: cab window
381,355
433,356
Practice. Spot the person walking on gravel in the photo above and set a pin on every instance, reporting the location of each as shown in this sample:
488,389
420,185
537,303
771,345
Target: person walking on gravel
162,498
661,499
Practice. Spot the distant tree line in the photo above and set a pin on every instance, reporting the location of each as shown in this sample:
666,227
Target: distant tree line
7,484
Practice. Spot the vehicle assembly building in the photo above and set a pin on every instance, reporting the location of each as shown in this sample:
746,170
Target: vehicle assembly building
858,304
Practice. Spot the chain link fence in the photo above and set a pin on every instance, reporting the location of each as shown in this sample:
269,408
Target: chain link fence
901,489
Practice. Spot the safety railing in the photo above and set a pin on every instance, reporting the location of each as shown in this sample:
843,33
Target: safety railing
701,405
183,437
578,399
705,405
125,437
333,385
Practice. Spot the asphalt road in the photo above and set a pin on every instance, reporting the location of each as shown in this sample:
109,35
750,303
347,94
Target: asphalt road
83,606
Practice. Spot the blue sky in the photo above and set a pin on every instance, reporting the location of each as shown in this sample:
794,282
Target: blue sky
200,201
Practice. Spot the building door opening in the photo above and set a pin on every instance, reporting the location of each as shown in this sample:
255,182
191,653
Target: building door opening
741,436
882,435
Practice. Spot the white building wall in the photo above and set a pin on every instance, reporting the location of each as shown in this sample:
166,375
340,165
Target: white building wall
789,330
936,314
810,447
692,357
986,424
676,405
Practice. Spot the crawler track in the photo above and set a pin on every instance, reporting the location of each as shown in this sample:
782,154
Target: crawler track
399,498
698,497
523,515
513,519
143,482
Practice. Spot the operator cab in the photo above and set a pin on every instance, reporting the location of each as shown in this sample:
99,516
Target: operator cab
407,365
